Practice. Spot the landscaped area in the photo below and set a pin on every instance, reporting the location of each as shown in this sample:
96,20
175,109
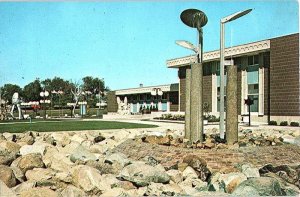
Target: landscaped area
66,125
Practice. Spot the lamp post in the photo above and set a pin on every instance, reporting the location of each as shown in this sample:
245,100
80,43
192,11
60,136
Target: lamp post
222,60
44,94
196,19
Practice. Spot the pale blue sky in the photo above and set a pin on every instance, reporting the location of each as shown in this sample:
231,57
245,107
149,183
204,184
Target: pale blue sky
126,43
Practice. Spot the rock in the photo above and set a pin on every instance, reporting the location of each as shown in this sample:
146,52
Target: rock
64,177
114,192
35,148
6,158
151,160
39,192
214,183
18,174
88,179
182,166
78,138
9,136
289,189
175,175
159,189
39,174
7,176
61,139
99,138
284,171
263,186
119,158
230,181
104,168
195,183
246,131
250,171
26,139
143,175
199,165
297,140
288,139
82,154
110,179
189,172
72,191
97,148
109,143
28,162
126,185
57,160
10,146
161,140
5,190
24,187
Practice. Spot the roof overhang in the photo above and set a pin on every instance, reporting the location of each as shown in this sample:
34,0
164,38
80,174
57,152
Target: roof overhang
142,90
235,51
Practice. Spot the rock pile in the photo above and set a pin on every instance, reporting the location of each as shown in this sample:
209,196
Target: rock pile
84,164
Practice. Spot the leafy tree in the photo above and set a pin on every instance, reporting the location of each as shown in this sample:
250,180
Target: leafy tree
8,90
31,92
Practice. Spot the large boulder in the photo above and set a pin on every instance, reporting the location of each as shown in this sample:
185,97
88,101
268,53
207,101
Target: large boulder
39,192
199,165
230,181
82,154
175,175
35,148
115,192
39,174
119,158
20,176
142,174
57,160
72,191
7,176
10,146
89,179
189,172
159,189
262,186
6,157
5,191
250,171
28,162
23,187
192,185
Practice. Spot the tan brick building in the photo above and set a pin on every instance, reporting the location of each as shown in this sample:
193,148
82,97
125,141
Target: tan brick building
268,73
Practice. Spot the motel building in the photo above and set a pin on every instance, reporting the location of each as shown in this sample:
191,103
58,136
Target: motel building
268,73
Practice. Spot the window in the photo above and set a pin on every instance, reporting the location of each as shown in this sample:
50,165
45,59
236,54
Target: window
252,81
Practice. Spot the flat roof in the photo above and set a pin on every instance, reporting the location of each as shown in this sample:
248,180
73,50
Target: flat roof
209,56
140,90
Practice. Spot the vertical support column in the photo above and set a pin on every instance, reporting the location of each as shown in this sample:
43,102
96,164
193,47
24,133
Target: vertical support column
214,94
261,91
231,103
196,103
244,95
138,106
168,106
187,128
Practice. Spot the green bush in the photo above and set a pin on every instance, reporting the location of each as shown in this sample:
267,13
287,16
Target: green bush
272,122
213,118
284,123
294,124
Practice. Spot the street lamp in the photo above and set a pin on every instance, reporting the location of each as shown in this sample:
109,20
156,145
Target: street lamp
44,94
222,60
194,113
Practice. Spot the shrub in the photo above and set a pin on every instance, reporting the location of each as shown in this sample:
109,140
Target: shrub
284,123
272,122
213,118
294,124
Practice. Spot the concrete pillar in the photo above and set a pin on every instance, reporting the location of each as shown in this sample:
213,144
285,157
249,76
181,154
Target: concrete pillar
261,91
187,126
196,103
231,105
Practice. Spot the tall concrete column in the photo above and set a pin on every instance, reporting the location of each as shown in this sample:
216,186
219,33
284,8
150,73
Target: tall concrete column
187,127
231,105
196,103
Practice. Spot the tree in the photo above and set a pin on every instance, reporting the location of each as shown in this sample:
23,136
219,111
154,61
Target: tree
31,92
8,90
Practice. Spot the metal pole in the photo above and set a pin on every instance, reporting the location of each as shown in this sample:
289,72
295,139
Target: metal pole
222,46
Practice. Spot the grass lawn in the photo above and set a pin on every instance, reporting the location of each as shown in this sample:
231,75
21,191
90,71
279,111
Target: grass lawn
69,125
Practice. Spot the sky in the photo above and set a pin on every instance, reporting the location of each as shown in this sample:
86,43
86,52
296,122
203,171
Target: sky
126,43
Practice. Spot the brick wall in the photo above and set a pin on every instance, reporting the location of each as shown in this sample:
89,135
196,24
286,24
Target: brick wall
207,89
284,76
112,105
217,159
